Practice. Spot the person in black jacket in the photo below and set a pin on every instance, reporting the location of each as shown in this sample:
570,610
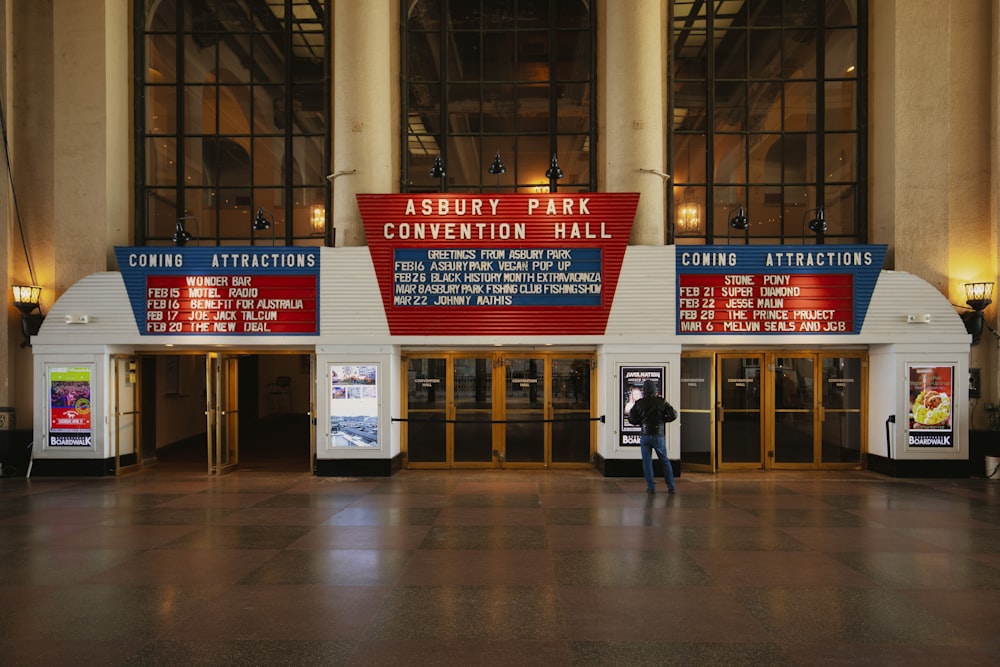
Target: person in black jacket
651,412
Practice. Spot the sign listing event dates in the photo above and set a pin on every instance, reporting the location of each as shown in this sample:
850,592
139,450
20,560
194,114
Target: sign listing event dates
766,303
496,276
509,263
230,304
222,291
776,289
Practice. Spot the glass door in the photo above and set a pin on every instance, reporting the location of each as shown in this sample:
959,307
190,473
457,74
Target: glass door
696,411
497,409
125,413
841,388
571,425
738,413
793,397
222,413
525,410
425,429
473,432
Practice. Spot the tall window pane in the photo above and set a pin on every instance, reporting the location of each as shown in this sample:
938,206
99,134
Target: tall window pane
483,78
779,87
234,108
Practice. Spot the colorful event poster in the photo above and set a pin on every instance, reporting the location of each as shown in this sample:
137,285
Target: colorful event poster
354,406
931,389
632,379
69,406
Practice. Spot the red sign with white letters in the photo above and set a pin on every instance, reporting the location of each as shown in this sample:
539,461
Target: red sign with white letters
766,303
500,264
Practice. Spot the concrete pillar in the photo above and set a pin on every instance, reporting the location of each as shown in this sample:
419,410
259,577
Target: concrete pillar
632,115
69,86
365,109
934,162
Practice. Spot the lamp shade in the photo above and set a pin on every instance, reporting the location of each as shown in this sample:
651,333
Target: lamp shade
26,297
978,295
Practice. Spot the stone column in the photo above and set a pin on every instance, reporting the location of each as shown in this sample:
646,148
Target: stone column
632,114
365,109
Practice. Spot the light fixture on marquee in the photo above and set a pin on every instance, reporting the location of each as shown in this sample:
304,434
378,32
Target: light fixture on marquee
263,221
817,225
741,222
554,173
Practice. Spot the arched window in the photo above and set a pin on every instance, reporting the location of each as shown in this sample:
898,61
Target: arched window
232,111
491,83
769,101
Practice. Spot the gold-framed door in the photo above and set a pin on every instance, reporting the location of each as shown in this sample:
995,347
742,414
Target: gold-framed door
739,411
125,413
497,409
816,418
792,410
222,412
697,411
774,409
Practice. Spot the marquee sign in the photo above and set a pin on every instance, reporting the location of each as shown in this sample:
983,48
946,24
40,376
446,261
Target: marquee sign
775,289
498,263
222,290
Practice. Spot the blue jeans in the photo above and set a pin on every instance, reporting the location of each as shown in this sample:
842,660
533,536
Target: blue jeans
649,443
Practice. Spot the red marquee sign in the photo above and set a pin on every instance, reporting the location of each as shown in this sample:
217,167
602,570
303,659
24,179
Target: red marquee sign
498,264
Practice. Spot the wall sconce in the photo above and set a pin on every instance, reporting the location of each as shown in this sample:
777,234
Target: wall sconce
741,222
317,219
26,299
263,221
689,220
977,296
553,173
817,225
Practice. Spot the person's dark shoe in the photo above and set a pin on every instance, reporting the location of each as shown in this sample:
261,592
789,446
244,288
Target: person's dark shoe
671,491
650,491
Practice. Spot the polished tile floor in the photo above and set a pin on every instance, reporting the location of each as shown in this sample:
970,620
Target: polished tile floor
499,568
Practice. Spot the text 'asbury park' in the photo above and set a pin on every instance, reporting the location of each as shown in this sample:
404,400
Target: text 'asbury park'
482,224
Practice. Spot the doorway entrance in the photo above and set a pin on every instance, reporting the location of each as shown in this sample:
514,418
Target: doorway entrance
497,409
773,410
218,411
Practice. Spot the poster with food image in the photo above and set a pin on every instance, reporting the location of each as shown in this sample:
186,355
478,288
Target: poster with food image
931,389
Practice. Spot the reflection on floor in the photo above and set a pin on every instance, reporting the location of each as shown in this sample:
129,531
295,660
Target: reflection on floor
512,567
278,443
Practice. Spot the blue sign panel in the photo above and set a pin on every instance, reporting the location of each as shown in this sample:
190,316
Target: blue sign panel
219,290
775,289
496,277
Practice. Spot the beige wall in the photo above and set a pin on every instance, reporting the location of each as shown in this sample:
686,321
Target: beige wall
68,106
933,149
